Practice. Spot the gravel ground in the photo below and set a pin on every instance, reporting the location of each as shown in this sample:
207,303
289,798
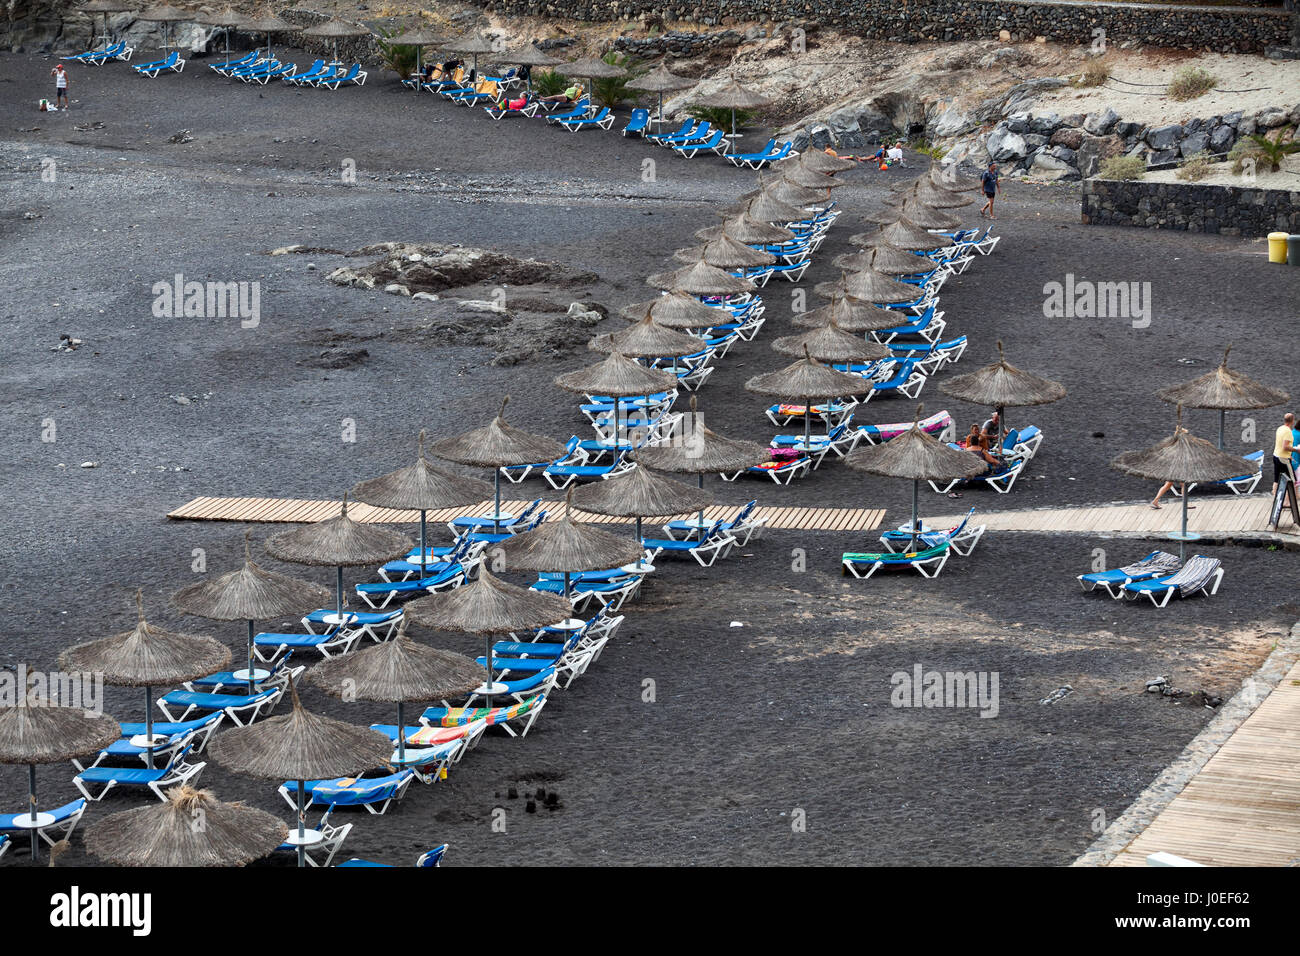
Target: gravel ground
749,724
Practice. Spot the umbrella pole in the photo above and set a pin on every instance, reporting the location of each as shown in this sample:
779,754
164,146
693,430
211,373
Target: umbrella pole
401,733
148,726
338,591
419,74
488,657
250,657
807,426
424,551
302,846
1222,415
699,522
496,498
916,511
31,804
1182,541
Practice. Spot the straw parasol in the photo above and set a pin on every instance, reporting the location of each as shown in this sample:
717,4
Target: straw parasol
661,80
869,286
418,38
925,190
1183,458
646,338
850,314
529,56
268,24
166,15
885,259
338,543
767,208
249,594
1225,390
699,450
488,606
618,377
725,253
830,343
227,18
917,456
640,493
170,834
421,487
807,380
676,310
399,671
820,161
733,96
147,656
921,213
808,178
700,278
1002,384
333,29
593,68
34,733
785,191
743,228
495,446
904,234
301,746
106,7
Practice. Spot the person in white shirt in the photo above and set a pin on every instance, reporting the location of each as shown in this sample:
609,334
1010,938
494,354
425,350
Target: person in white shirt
895,154
60,86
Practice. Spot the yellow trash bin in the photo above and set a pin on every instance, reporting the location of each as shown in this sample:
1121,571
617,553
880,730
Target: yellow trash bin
1277,247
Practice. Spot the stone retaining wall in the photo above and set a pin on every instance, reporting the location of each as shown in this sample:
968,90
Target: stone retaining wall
1229,210
1239,29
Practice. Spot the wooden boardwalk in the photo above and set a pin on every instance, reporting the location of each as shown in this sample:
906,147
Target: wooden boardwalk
1243,807
1210,517
294,510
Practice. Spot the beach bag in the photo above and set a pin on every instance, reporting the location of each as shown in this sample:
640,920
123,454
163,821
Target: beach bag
45,106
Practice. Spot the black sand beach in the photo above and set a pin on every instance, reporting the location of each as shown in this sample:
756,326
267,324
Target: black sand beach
790,711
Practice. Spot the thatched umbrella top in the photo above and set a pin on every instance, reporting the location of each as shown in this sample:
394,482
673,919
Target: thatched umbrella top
1223,388
809,178
701,278
820,161
830,343
418,36
950,176
226,18
593,68
563,545
916,455
745,229
785,191
886,259
249,594
424,487
1181,457
529,55
725,253
1002,384
734,96
904,234
489,605
807,378
147,656
698,450
398,671
169,834
640,493
921,213
334,29
108,6
676,310
162,13
470,43
925,190
767,208
869,286
661,80
497,444
300,745
646,338
617,376
850,314
48,734
339,542
268,24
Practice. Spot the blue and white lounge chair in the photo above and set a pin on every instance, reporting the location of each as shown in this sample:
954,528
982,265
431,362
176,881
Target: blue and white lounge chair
637,122
178,771
715,543
688,132
928,562
200,729
961,538
268,646
1000,480
476,522
250,57
771,153
309,76
1242,484
65,821
381,593
242,709
1154,565
379,626
172,62
603,120
1200,575
715,142
526,711
114,51
581,108
929,325
322,852
354,74
426,860
685,128
502,109
375,794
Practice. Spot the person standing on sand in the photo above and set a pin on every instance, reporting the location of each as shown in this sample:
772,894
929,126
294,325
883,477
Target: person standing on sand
991,185
60,87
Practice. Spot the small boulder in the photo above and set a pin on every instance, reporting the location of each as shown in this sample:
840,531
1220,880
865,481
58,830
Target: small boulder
1045,124
1101,123
1067,137
1195,143
1004,145
1164,137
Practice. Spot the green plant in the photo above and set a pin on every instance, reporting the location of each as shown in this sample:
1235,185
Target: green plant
1123,167
613,91
1270,153
925,147
720,116
1095,73
397,56
550,83
1191,82
1195,167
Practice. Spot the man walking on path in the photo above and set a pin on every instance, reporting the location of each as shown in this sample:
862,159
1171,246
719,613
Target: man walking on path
991,185
60,87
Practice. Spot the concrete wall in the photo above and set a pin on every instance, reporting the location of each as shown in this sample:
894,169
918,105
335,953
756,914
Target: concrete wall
1229,210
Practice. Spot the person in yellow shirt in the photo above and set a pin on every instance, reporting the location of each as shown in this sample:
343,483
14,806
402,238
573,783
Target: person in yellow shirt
1283,447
